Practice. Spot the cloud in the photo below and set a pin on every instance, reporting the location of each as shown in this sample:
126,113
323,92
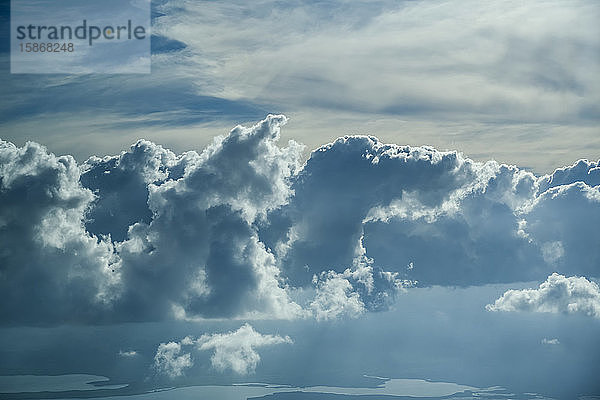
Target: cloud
245,229
584,171
201,252
355,290
558,294
552,342
51,267
459,221
509,68
135,236
338,187
128,353
235,350
488,67
170,360
335,296
563,221
120,184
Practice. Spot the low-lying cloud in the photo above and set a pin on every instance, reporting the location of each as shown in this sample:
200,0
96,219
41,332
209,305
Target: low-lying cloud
171,361
558,294
235,351
245,229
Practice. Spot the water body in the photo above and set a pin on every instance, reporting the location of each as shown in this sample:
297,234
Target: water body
53,383
402,388
390,387
399,387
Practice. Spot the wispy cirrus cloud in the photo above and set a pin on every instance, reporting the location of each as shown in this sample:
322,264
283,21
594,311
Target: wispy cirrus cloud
447,73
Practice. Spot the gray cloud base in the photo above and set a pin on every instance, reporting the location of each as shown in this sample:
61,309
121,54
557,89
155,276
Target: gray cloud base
245,230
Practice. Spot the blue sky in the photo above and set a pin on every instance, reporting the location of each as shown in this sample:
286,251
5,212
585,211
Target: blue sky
305,193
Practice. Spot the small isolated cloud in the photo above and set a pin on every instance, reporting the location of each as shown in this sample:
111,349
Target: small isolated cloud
550,342
237,350
171,361
127,353
558,294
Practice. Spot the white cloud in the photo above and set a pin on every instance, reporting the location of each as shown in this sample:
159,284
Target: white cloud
335,296
171,361
552,252
558,294
442,73
552,342
245,230
475,62
128,353
563,221
216,197
582,171
235,351
52,268
355,290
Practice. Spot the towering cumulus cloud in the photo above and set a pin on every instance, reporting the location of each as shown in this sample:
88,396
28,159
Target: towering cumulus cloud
200,253
245,229
51,268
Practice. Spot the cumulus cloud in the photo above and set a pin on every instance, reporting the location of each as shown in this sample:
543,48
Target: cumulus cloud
128,353
120,184
335,296
558,294
584,171
171,361
339,185
245,229
552,342
461,222
355,290
201,251
235,351
563,221
51,268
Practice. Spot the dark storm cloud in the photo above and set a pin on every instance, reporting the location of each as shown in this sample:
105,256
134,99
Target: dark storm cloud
243,229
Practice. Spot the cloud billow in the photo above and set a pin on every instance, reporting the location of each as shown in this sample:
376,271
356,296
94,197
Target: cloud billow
171,361
244,229
235,351
51,268
558,294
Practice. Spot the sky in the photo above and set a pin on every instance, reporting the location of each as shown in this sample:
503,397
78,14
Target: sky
329,198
